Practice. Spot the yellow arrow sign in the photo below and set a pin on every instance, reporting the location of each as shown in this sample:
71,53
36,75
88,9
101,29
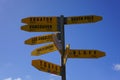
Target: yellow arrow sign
44,49
85,53
40,20
82,19
47,67
41,28
39,39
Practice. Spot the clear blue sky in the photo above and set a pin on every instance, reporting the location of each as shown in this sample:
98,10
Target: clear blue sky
15,58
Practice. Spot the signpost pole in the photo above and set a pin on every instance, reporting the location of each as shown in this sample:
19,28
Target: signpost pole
63,66
43,21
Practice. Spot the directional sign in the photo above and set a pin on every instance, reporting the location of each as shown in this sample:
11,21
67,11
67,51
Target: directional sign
82,19
41,28
39,39
85,53
47,67
44,49
57,42
40,20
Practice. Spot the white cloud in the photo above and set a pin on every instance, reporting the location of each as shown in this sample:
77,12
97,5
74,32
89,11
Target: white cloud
18,79
10,78
27,77
117,67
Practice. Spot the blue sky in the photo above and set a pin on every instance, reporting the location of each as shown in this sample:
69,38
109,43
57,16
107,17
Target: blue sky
15,59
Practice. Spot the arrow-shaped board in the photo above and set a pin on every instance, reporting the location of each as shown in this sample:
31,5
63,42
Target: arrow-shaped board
41,24
47,67
85,53
82,19
40,20
39,39
44,49
41,28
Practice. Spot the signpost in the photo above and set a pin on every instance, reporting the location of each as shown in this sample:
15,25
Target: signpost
56,24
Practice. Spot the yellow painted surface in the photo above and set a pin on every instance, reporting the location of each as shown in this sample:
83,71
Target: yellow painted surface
83,19
40,28
40,20
85,53
39,39
44,49
45,66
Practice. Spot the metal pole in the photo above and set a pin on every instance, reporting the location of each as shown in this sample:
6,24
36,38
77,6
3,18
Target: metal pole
63,66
